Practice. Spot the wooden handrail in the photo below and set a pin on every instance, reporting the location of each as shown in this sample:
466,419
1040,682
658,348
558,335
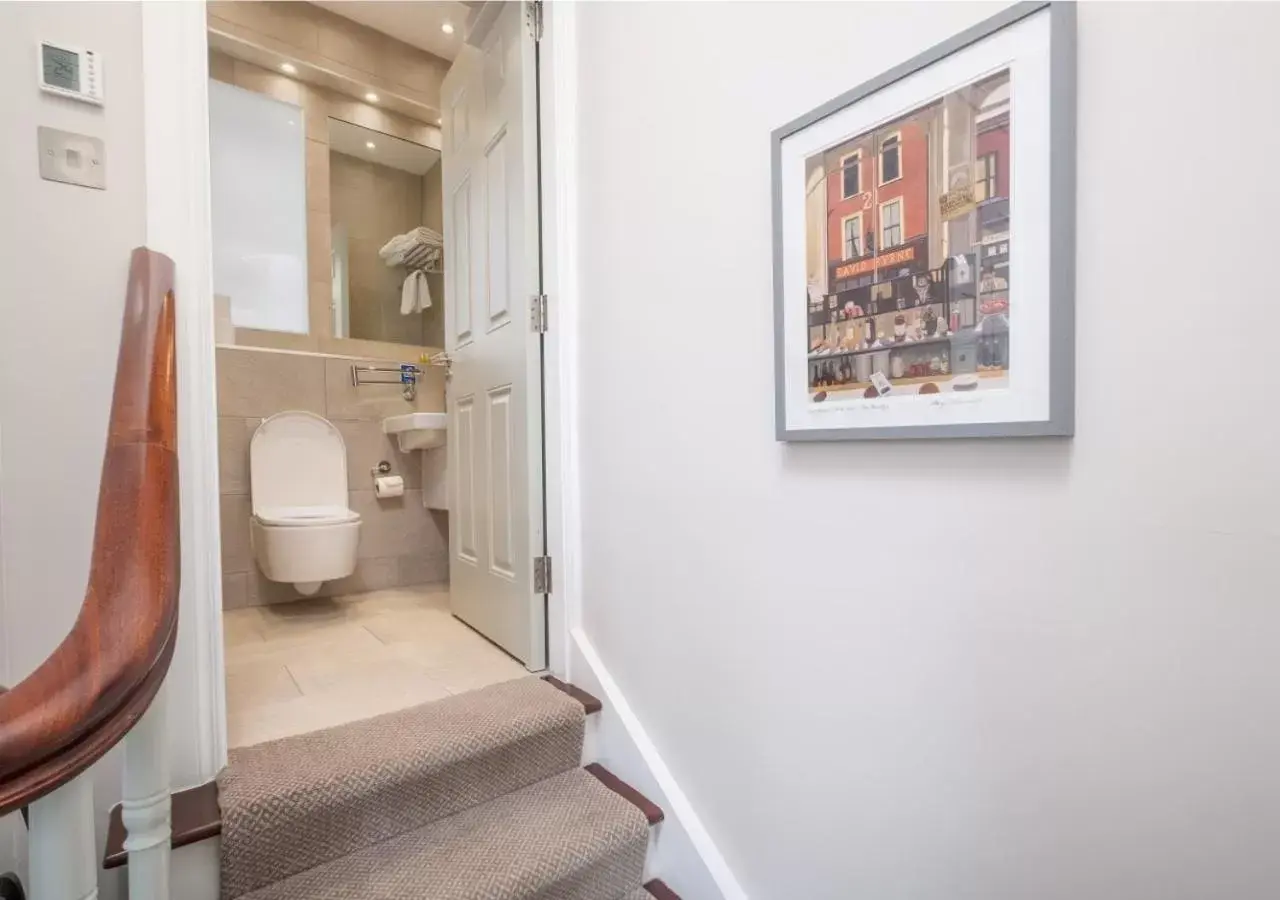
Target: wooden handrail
100,680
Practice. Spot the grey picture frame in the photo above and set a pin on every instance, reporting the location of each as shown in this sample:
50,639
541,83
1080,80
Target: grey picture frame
1062,227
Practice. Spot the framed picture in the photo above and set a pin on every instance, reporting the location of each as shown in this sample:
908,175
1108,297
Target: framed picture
924,243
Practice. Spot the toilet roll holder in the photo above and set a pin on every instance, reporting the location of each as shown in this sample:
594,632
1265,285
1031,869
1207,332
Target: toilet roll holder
382,468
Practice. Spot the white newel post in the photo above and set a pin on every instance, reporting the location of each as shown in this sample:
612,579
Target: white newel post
62,852
145,808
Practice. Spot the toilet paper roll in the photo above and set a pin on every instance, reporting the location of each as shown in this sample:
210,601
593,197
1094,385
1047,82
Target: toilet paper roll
388,486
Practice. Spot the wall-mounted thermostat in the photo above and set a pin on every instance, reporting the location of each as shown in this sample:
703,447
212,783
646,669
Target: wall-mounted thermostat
71,72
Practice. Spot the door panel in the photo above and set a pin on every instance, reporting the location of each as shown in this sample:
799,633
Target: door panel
499,245
465,480
459,302
501,508
490,174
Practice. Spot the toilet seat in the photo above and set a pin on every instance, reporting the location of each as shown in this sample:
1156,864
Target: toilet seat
303,516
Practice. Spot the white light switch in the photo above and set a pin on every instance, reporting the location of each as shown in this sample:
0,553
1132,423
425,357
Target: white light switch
72,158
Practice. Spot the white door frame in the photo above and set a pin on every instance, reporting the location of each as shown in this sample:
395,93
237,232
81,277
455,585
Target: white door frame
175,93
175,89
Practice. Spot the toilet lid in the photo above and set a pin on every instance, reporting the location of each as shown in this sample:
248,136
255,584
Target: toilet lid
297,459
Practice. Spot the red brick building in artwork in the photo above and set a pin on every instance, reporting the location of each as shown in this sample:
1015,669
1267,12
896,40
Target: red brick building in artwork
877,191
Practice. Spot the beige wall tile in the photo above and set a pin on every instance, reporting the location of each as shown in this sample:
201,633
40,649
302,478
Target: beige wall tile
411,68
233,453
423,568
287,22
317,164
396,527
277,340
263,81
235,592
435,480
237,552
431,389
319,242
373,574
343,400
262,382
262,591
320,299
222,67
367,446
376,118
315,108
351,44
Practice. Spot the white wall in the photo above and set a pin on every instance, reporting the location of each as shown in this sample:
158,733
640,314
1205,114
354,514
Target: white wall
987,669
64,258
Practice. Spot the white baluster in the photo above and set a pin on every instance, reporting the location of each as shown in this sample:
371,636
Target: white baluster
145,809
61,849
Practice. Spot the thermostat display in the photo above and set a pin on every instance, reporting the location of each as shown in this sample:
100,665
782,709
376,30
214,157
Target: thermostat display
71,72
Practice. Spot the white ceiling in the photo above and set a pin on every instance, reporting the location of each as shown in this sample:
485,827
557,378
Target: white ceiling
354,140
416,22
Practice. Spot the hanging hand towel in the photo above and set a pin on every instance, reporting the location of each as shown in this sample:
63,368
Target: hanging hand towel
415,296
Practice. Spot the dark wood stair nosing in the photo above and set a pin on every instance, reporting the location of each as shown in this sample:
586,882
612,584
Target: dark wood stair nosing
658,890
195,817
652,811
589,703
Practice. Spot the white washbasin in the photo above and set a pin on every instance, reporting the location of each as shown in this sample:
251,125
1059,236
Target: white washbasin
417,431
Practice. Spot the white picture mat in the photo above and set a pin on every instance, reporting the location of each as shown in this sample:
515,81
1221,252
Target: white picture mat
1024,49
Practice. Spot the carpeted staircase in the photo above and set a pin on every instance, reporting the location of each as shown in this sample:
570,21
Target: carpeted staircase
476,797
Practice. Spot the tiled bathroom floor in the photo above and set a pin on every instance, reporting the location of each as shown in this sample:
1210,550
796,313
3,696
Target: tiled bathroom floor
302,666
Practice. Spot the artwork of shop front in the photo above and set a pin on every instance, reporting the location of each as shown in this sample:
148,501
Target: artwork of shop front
924,243
915,296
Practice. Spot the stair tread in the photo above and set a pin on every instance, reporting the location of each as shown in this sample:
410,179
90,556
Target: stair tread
566,837
299,802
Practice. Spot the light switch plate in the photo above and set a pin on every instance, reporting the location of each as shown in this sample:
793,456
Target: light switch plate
72,158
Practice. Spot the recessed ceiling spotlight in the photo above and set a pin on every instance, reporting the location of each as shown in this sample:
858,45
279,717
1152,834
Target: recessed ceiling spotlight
369,144
288,68
447,28
371,97
439,121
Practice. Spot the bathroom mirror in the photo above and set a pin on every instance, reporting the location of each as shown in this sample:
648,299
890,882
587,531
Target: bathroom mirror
385,220
259,208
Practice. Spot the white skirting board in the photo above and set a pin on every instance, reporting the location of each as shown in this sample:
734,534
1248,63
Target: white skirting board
682,852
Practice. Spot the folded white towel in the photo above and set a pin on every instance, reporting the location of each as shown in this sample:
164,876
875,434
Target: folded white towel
415,295
398,250
395,248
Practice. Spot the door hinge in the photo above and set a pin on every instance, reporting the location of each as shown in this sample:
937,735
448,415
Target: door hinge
533,16
542,574
538,313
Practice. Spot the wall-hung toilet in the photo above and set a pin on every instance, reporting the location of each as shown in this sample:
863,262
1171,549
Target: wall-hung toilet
303,531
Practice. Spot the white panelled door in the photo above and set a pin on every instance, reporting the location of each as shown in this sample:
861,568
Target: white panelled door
495,390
